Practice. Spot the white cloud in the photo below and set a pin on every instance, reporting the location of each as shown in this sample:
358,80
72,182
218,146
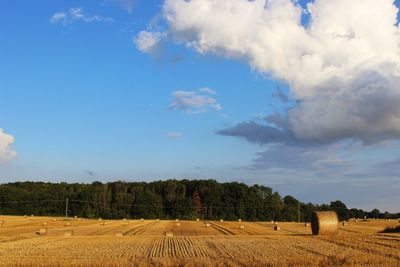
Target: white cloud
174,135
76,14
148,42
207,90
6,152
192,102
343,68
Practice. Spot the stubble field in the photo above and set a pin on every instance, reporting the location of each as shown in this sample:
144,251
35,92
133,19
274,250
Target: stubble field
191,243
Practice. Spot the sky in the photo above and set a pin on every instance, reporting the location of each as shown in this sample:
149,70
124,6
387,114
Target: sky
301,96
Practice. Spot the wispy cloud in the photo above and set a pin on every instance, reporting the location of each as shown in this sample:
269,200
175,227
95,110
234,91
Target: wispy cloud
125,4
194,101
6,151
149,42
77,14
174,135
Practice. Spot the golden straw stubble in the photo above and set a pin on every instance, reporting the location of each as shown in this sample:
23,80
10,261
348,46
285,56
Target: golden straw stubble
324,223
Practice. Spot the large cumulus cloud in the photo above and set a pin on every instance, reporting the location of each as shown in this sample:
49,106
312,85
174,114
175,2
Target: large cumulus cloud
343,67
6,152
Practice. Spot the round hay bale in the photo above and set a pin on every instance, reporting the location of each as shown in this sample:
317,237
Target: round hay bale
124,219
177,220
68,233
67,224
100,219
54,220
178,224
221,220
306,224
158,220
240,220
118,234
207,224
44,224
25,216
197,220
42,231
103,223
241,226
324,223
141,219
277,228
169,234
344,223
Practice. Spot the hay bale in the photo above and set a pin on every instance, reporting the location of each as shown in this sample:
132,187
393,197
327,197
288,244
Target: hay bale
44,224
42,231
344,223
241,226
103,223
118,234
169,234
54,220
100,219
306,224
67,224
124,219
207,224
197,220
240,220
177,220
221,220
142,219
277,228
1,223
324,223
68,233
25,216
75,217
178,224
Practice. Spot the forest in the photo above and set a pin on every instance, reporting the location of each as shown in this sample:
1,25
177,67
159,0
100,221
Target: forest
169,199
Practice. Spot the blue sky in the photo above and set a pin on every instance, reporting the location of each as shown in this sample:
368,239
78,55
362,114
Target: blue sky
78,95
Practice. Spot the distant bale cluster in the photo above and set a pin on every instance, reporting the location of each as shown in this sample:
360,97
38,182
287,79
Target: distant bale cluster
324,223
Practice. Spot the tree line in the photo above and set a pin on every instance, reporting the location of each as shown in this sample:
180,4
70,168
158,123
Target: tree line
170,199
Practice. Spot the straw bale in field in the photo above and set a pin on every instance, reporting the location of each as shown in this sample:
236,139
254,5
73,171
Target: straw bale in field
277,228
241,226
68,233
240,220
44,224
54,220
324,223
169,234
103,223
1,223
221,220
178,224
306,224
344,223
197,220
67,224
42,231
207,224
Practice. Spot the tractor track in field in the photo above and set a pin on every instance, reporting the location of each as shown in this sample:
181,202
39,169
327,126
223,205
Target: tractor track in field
139,229
221,229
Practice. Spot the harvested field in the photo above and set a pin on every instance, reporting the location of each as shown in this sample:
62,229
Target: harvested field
142,243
